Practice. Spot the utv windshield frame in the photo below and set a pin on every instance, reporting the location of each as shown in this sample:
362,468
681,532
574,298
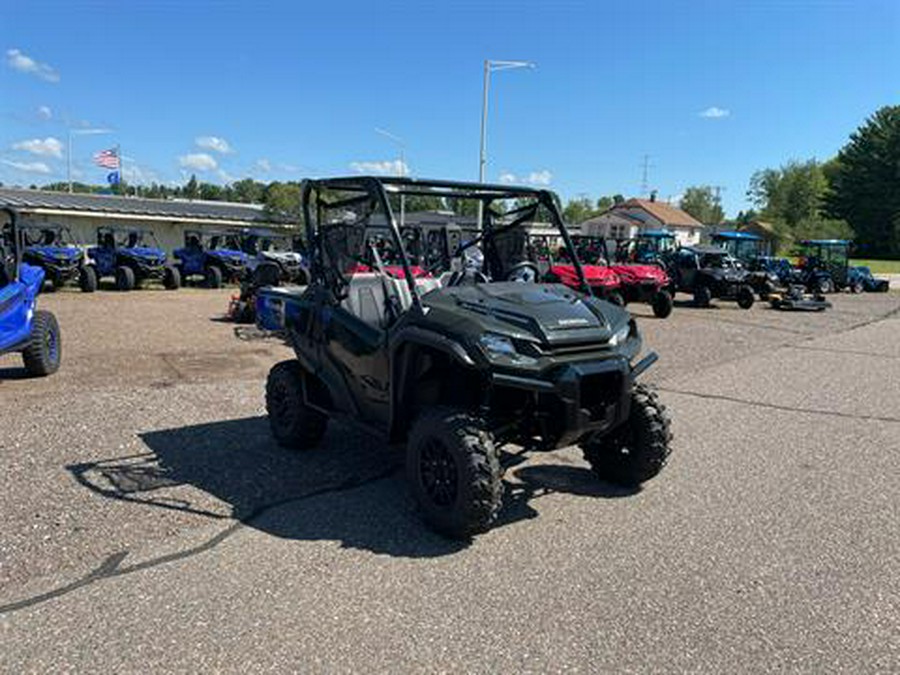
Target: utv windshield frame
62,235
373,193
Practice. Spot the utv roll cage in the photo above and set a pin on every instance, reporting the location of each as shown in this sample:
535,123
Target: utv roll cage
49,234
370,194
228,239
126,237
11,246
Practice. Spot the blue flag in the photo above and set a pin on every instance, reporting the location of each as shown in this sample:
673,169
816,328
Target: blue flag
113,178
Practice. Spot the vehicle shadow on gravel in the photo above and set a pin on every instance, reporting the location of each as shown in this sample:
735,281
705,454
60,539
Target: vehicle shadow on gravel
13,373
351,489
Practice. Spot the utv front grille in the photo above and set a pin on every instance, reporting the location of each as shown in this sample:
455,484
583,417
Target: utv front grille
568,349
600,393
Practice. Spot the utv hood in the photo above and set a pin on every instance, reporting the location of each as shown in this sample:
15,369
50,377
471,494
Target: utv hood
548,313
229,256
641,274
595,275
60,253
726,275
146,253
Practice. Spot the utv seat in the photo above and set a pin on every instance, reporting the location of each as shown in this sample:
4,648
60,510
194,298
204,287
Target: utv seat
367,301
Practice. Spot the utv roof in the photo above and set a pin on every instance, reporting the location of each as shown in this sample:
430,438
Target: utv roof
124,228
746,236
825,242
705,249
424,186
656,234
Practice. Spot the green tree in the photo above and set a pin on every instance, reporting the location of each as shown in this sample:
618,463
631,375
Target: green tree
792,199
864,183
578,210
606,203
790,194
282,202
464,207
248,191
702,202
191,189
210,191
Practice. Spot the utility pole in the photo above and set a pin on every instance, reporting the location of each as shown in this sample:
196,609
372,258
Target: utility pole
645,176
719,189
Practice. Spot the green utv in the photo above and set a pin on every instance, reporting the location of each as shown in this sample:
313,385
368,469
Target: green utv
459,359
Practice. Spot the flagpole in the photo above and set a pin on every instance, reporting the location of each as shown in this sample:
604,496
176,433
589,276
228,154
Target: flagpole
69,162
120,170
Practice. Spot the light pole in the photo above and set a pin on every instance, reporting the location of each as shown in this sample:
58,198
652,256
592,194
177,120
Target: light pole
489,67
401,169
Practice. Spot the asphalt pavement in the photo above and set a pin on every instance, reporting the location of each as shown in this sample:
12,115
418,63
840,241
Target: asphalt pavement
150,524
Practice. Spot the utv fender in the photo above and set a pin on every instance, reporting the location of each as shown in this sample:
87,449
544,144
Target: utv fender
407,348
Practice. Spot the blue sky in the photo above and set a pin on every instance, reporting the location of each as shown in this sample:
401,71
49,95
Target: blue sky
277,90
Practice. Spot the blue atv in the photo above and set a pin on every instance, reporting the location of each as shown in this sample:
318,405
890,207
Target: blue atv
862,280
32,332
781,268
215,256
52,248
122,254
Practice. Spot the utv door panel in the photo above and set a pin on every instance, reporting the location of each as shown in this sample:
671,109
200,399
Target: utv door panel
360,350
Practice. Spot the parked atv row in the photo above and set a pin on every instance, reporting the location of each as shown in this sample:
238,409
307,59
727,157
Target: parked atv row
131,256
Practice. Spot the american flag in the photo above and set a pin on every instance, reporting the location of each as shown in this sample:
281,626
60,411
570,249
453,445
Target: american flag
108,159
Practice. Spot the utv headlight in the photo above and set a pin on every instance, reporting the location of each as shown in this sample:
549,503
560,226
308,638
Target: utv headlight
497,346
620,335
501,349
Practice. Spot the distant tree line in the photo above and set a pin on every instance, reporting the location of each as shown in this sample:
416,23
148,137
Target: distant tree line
853,195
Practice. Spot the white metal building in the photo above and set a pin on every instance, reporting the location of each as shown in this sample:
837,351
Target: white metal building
166,218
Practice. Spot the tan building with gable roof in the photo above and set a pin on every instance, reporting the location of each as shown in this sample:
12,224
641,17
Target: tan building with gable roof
654,215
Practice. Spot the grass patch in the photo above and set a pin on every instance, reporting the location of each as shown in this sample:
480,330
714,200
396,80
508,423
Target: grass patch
878,266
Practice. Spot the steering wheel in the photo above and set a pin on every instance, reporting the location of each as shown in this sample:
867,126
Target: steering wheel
525,271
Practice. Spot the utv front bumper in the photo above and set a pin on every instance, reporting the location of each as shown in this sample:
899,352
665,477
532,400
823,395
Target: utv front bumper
582,398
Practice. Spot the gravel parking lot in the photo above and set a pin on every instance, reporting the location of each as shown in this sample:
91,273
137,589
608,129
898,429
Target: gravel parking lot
149,522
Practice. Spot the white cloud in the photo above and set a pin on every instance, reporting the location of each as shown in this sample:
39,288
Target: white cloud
263,165
29,167
44,112
385,168
714,113
225,177
290,168
136,174
543,177
48,146
213,143
16,60
199,161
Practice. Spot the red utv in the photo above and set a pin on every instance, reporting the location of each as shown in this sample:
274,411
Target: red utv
638,283
604,282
